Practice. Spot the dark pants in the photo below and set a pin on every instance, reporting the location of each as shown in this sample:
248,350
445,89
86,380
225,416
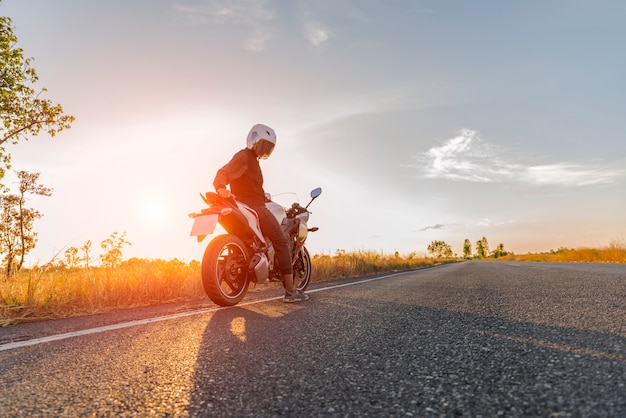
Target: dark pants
271,228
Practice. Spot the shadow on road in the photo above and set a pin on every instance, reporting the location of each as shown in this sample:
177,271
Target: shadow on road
359,356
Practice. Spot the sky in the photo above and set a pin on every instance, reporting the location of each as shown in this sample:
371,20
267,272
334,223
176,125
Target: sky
421,120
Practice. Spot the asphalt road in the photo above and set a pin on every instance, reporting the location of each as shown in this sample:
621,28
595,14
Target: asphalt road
469,339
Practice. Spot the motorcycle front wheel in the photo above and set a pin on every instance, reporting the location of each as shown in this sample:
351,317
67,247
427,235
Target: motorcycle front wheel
302,270
225,270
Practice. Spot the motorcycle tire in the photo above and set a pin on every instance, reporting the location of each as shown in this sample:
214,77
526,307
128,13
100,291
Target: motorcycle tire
225,270
302,270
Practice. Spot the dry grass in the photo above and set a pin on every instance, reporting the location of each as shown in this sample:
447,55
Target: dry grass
359,263
615,252
56,292
45,293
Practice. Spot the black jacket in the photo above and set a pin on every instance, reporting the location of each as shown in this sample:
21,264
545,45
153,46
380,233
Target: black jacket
243,173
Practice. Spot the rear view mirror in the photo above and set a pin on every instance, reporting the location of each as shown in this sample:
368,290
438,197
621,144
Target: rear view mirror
316,192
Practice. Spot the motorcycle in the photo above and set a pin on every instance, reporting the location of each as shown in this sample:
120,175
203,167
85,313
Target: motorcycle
244,255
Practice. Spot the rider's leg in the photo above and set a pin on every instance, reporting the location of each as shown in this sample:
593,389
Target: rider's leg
271,228
288,283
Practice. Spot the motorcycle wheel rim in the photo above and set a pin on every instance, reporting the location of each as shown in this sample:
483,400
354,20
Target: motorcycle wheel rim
231,270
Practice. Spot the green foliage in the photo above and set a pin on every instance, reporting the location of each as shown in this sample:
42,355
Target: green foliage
440,249
499,251
467,249
23,112
482,248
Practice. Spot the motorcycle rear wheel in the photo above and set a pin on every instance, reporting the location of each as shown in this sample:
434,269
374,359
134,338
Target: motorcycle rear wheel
225,270
302,270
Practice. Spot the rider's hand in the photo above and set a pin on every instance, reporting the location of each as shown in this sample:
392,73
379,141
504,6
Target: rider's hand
224,193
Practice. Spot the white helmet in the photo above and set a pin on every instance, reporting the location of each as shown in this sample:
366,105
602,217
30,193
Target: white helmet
261,139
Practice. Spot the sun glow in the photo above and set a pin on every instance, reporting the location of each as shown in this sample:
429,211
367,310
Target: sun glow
152,211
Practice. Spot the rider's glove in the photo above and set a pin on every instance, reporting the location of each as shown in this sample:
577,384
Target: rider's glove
224,193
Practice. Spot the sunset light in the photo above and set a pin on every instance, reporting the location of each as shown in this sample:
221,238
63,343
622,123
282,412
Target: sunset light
312,208
407,116
154,212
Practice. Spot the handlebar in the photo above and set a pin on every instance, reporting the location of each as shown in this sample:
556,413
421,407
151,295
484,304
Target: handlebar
295,210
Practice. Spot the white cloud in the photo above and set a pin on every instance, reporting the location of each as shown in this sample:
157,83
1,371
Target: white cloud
247,12
467,157
486,222
317,34
255,15
436,226
570,174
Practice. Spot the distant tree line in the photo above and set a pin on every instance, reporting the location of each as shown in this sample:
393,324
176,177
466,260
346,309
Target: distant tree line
441,249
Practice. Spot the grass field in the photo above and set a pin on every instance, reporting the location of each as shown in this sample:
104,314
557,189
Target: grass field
55,292
615,252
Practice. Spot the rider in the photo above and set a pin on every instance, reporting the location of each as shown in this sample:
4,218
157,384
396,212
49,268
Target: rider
243,174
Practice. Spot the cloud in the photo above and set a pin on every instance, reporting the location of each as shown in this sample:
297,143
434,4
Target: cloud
242,12
436,226
254,15
467,157
257,17
488,222
570,174
464,157
317,34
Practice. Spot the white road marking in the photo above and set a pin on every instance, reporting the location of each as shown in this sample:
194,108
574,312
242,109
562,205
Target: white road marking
57,337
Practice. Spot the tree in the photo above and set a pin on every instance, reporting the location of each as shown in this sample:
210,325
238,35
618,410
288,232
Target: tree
8,232
440,249
17,237
28,185
23,112
499,251
467,249
482,248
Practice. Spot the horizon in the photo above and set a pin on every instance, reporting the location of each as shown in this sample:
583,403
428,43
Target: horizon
421,121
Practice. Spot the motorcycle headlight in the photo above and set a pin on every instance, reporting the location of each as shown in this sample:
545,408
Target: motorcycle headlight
303,216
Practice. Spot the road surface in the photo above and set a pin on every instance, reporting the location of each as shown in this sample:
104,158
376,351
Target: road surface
467,339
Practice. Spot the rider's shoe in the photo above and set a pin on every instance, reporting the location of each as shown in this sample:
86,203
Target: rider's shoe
294,297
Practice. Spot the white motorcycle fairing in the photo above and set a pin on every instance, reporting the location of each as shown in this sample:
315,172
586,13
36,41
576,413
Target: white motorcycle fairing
242,255
204,223
253,220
